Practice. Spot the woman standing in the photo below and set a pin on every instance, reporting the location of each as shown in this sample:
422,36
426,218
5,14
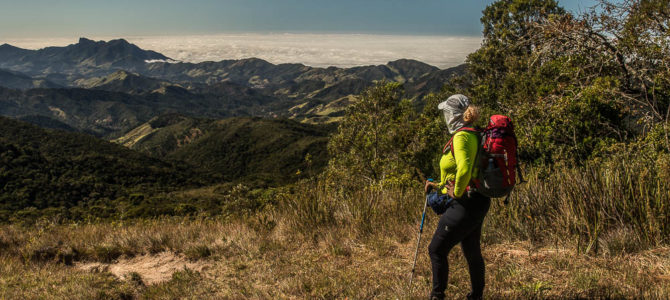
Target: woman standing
462,221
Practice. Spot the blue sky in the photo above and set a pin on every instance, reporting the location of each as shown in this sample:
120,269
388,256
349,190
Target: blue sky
43,18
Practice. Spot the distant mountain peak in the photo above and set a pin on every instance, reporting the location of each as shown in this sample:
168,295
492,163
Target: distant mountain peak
254,61
411,63
411,69
83,40
119,41
85,57
7,47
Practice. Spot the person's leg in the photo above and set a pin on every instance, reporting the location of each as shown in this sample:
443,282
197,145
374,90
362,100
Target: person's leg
473,255
453,226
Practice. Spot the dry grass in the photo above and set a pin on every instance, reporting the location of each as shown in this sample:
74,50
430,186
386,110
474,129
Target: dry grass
620,206
589,233
251,261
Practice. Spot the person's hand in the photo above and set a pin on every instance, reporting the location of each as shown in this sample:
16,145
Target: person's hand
450,190
429,185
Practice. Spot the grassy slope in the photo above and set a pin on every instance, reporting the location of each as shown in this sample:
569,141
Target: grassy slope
122,81
249,259
309,243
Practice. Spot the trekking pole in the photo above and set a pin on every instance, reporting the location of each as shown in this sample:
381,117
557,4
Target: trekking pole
418,242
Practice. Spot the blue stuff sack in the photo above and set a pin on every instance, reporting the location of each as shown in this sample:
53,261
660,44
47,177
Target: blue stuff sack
438,202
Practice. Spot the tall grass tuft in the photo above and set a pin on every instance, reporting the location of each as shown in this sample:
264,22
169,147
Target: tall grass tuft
307,207
365,211
593,204
622,205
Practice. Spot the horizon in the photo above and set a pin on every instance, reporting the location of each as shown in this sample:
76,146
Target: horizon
311,49
315,33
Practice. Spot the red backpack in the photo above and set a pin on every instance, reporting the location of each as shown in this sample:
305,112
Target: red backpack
496,160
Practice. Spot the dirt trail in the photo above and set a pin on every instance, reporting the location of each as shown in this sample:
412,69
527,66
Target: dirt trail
152,268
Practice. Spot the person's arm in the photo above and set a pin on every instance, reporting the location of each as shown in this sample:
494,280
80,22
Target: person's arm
447,170
465,150
436,185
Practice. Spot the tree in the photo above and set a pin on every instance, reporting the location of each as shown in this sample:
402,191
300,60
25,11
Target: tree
378,141
498,67
623,50
577,87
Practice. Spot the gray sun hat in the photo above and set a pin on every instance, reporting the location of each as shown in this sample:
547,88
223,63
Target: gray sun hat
453,109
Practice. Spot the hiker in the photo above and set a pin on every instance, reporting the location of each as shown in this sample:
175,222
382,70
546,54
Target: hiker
462,220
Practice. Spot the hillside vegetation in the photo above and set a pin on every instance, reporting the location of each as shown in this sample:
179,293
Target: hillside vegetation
70,176
111,113
76,176
273,151
19,81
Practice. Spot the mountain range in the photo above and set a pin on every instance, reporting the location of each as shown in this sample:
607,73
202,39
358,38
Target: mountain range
120,92
74,175
87,58
132,126
109,88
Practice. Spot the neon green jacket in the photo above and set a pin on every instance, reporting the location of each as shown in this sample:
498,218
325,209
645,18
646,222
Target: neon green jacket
459,169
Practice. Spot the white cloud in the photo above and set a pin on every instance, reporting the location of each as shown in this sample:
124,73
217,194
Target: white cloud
149,61
320,50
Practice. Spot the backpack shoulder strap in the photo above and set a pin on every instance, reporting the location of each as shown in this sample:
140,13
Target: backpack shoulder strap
469,129
481,138
448,147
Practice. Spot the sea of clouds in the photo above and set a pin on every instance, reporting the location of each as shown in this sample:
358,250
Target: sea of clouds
318,50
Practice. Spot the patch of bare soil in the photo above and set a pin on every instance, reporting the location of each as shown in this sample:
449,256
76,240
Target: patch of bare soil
152,268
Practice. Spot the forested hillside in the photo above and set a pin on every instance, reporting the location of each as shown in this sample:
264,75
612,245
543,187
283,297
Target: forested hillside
76,174
272,151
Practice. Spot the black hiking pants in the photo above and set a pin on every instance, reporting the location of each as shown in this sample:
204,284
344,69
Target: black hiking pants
461,223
